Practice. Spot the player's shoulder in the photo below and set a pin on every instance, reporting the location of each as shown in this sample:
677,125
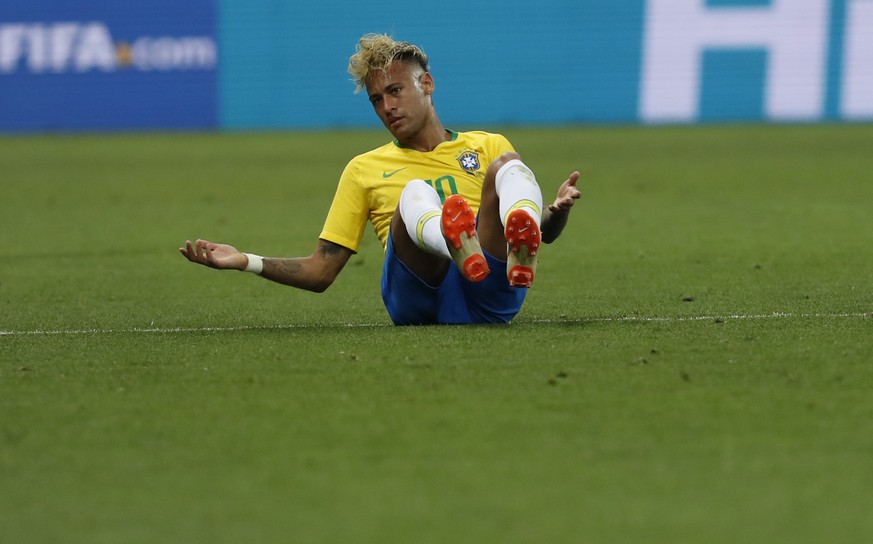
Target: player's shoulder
480,135
492,141
374,156
484,138
363,165
377,152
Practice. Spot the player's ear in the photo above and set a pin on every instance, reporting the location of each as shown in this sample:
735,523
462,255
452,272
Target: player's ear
427,84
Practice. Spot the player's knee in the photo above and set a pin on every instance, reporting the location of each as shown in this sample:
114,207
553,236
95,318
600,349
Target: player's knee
413,186
498,163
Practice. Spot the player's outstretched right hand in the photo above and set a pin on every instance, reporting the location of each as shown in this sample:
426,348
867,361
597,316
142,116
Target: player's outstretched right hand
214,255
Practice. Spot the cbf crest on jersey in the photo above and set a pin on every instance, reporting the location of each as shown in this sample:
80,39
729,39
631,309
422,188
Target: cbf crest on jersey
469,161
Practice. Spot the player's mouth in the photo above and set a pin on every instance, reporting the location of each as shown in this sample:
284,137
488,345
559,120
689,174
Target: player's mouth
394,122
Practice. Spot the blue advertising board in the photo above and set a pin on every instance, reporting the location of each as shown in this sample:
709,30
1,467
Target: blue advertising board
107,65
512,61
274,64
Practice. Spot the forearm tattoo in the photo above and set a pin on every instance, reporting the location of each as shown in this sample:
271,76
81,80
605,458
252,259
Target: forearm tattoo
329,249
314,273
288,267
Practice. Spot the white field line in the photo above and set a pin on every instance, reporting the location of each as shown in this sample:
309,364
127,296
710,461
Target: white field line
619,319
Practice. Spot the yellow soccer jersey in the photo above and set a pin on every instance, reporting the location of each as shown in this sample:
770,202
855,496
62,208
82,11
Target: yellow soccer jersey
370,186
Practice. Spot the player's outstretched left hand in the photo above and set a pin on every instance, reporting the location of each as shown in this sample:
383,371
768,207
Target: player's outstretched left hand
568,194
214,255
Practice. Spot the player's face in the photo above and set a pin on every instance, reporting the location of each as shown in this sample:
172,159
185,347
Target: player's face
401,98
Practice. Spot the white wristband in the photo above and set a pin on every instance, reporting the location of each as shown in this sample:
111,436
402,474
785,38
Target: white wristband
256,263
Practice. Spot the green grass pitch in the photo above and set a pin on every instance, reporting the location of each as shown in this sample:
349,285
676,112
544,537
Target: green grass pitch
694,363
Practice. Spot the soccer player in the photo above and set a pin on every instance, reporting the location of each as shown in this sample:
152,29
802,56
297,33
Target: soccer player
459,215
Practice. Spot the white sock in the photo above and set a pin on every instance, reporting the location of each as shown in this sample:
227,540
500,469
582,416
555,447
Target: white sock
421,210
516,189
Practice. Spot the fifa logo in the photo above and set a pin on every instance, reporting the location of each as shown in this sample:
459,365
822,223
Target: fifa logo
84,47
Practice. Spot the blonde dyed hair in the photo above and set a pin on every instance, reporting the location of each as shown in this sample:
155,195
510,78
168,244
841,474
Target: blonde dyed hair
376,52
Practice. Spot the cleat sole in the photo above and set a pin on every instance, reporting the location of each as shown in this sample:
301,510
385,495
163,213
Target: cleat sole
523,238
459,229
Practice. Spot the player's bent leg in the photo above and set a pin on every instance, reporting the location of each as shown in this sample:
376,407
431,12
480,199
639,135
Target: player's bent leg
490,224
430,268
417,234
420,209
519,203
459,228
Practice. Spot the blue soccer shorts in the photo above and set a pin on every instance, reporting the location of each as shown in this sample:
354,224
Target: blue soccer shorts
411,301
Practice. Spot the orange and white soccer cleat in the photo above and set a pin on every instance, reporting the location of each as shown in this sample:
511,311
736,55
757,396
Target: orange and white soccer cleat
459,228
524,238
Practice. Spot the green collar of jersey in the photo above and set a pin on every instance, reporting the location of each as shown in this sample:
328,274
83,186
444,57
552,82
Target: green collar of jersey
452,133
